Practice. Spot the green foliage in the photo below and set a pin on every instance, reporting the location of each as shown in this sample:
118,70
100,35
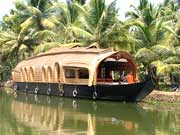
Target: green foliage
151,33
46,46
157,29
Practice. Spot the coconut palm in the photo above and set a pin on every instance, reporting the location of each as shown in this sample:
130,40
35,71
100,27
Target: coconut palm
151,33
17,37
152,27
68,15
40,14
30,24
101,23
40,19
92,23
14,46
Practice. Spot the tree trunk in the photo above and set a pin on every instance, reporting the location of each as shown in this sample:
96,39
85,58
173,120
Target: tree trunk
152,73
17,57
2,77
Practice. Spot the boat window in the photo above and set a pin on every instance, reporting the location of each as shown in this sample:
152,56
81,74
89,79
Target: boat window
70,73
83,74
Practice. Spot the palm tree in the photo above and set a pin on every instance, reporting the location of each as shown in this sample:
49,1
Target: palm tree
28,25
92,23
14,46
88,24
68,15
152,27
40,17
5,68
16,39
101,23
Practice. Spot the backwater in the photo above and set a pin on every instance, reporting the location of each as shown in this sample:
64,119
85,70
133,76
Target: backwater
28,114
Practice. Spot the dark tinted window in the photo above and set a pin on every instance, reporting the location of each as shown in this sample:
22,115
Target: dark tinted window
70,73
83,74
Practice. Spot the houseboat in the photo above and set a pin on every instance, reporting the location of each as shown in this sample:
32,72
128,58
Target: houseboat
82,72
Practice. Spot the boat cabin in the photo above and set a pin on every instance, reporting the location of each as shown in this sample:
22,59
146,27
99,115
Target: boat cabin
78,65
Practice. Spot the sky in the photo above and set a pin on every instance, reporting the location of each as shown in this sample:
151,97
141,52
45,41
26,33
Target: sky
123,5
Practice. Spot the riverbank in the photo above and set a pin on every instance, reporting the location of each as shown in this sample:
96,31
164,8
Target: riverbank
163,97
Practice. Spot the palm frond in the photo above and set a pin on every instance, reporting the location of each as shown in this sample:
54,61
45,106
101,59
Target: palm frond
46,46
80,9
170,30
177,49
163,68
45,34
7,35
26,24
146,56
172,60
48,23
20,5
162,50
33,10
80,32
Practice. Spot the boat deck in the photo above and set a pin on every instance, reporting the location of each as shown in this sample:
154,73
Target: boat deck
113,83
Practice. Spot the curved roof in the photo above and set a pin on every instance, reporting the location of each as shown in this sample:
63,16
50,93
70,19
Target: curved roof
79,56
86,57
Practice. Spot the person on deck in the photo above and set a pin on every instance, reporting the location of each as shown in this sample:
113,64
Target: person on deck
130,78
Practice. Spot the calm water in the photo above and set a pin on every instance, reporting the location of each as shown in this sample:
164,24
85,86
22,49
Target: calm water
25,114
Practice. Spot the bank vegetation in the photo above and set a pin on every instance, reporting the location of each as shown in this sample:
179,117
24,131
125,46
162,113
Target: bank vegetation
151,33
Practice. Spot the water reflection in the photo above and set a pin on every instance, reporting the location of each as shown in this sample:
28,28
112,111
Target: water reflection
34,114
76,116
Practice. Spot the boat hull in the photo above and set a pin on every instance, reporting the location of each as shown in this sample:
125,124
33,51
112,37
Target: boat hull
119,92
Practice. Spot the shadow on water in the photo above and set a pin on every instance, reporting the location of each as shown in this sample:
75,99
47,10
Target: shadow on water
54,115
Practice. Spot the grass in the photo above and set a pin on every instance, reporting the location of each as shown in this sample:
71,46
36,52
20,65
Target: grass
156,102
